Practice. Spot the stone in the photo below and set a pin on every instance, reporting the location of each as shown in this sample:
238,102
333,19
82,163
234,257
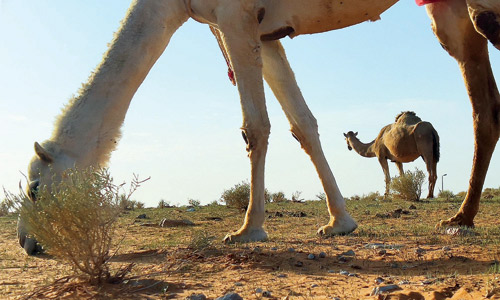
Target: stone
322,255
382,289
196,297
349,253
291,250
175,223
142,216
311,256
230,296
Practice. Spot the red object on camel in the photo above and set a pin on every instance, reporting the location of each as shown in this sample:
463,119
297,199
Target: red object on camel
424,2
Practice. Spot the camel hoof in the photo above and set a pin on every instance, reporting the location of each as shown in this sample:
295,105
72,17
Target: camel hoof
455,221
338,227
246,236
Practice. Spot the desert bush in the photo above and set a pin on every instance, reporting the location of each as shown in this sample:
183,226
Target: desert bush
75,219
239,195
278,197
127,204
163,204
490,193
321,196
194,202
7,206
446,194
408,186
296,196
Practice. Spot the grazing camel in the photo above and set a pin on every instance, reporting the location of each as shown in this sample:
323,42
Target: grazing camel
407,139
87,130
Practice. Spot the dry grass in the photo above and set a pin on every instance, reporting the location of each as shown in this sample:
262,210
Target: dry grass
176,262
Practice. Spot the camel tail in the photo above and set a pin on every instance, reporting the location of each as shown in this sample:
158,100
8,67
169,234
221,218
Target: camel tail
435,145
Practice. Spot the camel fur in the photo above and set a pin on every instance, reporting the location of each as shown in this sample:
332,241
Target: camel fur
403,141
88,129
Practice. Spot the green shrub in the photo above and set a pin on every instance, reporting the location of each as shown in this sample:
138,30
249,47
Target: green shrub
446,195
278,197
75,219
239,195
408,186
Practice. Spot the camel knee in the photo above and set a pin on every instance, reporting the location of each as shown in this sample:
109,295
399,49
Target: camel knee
256,137
485,14
305,131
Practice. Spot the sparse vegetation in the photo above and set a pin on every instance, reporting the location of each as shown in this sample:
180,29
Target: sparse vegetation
75,219
321,196
446,194
194,202
239,196
408,187
278,197
163,204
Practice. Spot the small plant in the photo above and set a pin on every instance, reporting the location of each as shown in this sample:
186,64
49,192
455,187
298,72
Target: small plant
239,196
7,206
200,241
194,203
163,204
296,197
278,197
126,204
75,219
408,186
446,195
321,196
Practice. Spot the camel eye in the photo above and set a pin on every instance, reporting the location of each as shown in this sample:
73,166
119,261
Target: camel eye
33,189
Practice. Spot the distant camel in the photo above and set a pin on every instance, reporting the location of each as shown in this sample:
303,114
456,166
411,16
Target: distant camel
404,141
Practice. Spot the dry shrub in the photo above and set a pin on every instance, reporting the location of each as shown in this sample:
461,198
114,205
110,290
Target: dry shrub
408,186
75,219
446,194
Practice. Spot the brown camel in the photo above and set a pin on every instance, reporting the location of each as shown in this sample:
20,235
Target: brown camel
407,139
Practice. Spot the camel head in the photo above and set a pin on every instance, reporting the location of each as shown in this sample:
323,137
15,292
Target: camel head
348,136
46,166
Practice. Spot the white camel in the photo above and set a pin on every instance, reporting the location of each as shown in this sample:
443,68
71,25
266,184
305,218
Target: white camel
89,127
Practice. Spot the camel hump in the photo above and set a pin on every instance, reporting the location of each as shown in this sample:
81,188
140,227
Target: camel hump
407,118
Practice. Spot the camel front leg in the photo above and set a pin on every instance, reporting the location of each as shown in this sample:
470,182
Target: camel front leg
455,31
400,168
385,168
238,21
280,77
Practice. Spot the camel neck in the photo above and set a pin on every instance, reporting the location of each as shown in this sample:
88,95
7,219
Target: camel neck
365,150
89,127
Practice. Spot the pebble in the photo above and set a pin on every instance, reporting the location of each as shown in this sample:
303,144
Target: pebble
230,296
404,282
142,216
238,284
314,285
345,273
191,209
299,264
281,275
311,256
291,250
274,249
382,289
446,248
259,290
382,252
196,297
349,253
322,255
379,280
266,294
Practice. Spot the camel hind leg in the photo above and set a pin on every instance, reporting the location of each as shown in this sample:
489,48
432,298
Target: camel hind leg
427,141
280,77
455,31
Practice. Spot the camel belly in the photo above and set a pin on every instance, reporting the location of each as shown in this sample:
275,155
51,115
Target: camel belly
401,145
295,17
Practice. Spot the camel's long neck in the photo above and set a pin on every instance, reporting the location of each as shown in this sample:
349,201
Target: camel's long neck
89,127
365,150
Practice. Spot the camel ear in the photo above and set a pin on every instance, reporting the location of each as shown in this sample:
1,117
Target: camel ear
42,153
345,135
356,134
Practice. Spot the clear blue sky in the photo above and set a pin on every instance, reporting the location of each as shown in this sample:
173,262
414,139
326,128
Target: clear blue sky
182,128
